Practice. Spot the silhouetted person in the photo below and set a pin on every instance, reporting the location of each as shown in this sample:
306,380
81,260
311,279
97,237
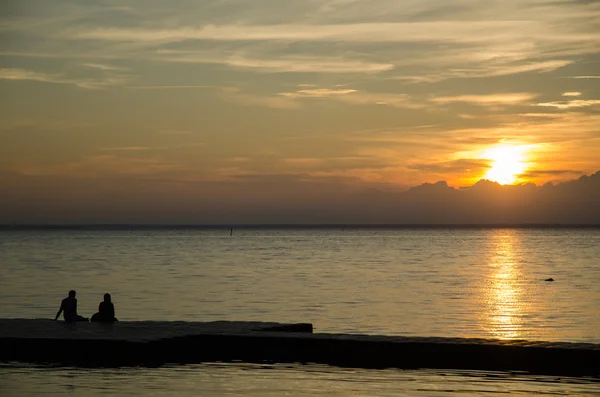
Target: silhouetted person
68,307
106,311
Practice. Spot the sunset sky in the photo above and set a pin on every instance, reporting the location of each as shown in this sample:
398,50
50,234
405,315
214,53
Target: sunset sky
182,100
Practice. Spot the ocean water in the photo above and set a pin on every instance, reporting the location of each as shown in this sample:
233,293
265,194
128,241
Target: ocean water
422,282
281,380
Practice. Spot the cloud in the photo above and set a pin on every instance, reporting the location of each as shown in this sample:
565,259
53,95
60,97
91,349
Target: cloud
575,150
507,69
549,173
481,47
423,42
284,178
289,100
571,94
276,102
127,149
167,87
309,65
584,77
355,97
483,69
417,41
476,140
542,115
103,67
303,161
294,198
316,93
434,31
487,100
279,64
16,74
576,103
22,74
380,98
102,166
148,148
470,166
175,132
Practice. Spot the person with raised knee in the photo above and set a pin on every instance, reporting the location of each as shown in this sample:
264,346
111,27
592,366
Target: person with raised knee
68,307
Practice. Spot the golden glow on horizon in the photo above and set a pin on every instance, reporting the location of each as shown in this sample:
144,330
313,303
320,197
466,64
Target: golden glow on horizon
509,161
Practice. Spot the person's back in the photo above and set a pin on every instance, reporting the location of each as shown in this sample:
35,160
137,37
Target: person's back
106,311
68,307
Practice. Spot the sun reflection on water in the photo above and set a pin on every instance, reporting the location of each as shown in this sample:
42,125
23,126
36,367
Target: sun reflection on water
505,306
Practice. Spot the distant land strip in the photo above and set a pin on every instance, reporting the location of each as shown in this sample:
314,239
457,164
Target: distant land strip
296,226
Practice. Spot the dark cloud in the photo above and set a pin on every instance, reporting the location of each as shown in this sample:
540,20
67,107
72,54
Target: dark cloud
546,173
287,179
289,199
478,140
452,166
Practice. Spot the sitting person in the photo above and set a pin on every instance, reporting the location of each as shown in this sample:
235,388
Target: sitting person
68,307
106,311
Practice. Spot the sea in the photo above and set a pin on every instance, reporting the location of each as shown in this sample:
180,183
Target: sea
481,282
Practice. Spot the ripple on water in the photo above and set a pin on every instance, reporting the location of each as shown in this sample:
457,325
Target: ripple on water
276,380
457,282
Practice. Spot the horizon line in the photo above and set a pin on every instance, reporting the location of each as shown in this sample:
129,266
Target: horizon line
302,226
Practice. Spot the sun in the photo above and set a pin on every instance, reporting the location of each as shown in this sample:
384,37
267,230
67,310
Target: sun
508,162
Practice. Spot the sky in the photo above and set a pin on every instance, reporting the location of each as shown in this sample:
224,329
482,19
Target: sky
270,111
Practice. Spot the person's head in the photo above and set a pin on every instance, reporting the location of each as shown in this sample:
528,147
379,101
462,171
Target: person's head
106,297
72,293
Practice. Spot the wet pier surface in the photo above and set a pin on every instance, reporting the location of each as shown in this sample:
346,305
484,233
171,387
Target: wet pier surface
154,343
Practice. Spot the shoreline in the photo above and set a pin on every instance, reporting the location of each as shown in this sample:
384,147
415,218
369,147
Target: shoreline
155,343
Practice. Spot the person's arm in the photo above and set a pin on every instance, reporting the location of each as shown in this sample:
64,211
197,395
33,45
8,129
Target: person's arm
59,312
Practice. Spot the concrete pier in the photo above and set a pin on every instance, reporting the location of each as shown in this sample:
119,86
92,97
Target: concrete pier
149,343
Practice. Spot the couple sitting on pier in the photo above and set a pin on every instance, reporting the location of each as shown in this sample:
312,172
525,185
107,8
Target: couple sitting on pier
68,306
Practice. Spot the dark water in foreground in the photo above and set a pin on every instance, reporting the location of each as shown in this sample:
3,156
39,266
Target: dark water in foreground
427,282
281,380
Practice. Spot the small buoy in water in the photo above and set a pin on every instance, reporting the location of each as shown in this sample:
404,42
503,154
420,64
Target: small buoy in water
549,279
